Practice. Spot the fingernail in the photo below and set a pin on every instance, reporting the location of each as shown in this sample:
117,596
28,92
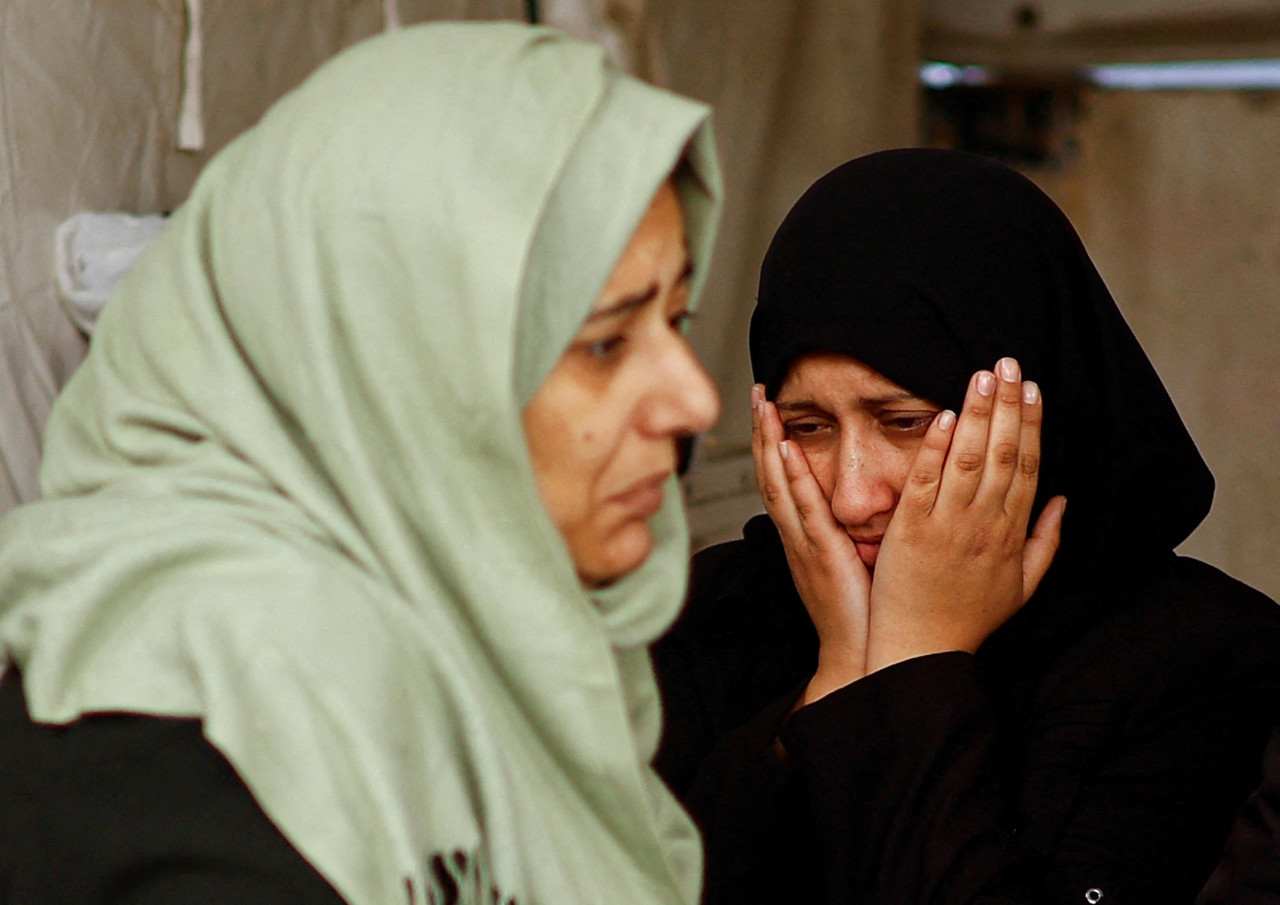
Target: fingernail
757,393
986,383
1008,369
784,448
1030,392
946,419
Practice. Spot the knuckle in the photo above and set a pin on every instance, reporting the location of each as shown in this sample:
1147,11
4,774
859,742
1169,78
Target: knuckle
772,495
923,478
967,462
979,412
1028,465
1006,454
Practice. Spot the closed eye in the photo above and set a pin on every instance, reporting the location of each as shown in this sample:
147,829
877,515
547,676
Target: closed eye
804,428
907,422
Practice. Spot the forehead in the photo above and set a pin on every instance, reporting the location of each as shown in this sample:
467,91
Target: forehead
825,376
656,250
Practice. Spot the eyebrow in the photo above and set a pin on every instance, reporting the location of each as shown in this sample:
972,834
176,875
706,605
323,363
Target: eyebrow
630,303
809,405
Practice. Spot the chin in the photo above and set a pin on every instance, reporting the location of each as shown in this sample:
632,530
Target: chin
616,555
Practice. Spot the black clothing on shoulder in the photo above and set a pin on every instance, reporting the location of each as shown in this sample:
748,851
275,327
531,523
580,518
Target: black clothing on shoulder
1249,873
1113,759
121,809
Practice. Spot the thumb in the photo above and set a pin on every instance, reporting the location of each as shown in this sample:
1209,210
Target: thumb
1042,545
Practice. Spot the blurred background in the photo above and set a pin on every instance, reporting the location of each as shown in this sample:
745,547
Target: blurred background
1155,124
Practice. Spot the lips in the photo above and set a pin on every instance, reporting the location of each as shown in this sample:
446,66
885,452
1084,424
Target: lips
868,549
644,497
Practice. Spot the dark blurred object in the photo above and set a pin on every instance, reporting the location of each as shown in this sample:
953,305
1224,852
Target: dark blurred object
1021,121
684,453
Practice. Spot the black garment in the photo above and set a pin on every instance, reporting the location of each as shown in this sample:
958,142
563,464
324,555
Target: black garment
133,810
1114,761
1249,873
1104,736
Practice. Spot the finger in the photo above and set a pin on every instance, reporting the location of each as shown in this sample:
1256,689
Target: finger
1022,490
775,489
963,470
920,492
1004,435
1042,545
812,508
757,395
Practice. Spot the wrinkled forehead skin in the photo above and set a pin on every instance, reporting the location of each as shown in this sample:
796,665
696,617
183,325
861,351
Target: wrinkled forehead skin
928,265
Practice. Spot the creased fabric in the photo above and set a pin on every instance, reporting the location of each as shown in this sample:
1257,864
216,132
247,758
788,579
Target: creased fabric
289,493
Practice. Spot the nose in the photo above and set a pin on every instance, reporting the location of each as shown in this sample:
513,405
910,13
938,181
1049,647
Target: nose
866,487
683,399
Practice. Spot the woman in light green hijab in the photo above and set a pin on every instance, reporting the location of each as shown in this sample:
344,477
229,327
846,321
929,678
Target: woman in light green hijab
368,479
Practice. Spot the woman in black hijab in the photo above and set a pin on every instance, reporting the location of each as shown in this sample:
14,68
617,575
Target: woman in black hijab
1095,747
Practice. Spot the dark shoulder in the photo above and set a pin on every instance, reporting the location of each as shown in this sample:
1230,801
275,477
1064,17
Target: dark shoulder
1184,624
739,589
121,808
1194,607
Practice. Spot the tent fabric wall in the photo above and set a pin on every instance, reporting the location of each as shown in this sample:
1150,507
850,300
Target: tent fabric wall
1177,195
1055,33
89,101
797,88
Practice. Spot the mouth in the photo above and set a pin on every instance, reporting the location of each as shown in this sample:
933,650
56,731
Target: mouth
868,549
644,497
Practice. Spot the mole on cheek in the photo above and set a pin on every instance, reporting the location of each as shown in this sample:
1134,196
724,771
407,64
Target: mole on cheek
588,437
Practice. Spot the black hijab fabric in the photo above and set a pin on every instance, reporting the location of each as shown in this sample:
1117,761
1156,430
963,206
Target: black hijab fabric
928,265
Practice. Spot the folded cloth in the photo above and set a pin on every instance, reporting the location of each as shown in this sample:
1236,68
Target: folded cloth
92,251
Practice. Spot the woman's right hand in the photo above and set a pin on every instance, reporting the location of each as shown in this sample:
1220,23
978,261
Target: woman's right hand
828,573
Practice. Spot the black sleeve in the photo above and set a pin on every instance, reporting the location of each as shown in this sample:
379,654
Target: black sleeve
131,810
1106,762
1249,873
898,774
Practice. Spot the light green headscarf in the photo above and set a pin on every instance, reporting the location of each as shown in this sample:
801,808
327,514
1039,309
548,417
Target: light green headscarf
289,492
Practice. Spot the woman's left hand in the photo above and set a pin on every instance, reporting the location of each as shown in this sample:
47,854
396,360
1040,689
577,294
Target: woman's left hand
956,560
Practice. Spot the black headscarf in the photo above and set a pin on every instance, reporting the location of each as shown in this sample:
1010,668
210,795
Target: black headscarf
928,265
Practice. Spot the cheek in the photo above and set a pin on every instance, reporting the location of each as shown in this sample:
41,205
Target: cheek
899,462
570,445
823,465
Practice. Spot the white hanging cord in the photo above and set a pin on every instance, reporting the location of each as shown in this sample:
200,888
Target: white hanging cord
191,115
390,15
